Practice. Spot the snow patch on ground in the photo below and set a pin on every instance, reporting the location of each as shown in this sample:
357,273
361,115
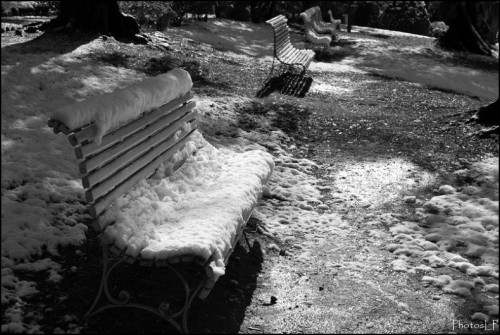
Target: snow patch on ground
42,197
455,228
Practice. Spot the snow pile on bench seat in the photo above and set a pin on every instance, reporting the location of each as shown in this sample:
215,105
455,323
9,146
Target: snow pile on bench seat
111,110
198,210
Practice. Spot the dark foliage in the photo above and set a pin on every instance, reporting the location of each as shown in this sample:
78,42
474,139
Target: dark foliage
473,26
407,16
367,13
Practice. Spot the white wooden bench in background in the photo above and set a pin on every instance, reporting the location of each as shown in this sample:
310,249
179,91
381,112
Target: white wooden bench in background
315,38
333,21
127,155
322,26
290,57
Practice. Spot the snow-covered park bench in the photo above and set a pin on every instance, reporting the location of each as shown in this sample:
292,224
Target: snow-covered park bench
290,57
160,194
321,37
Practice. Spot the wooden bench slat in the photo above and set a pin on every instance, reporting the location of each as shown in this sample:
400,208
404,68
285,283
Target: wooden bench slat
283,51
285,55
296,57
281,43
300,59
303,58
109,153
291,56
58,127
280,29
101,204
307,57
119,176
129,155
88,132
281,32
280,40
276,20
310,59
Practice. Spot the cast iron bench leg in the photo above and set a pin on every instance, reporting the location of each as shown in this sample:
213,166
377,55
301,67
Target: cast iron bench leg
124,296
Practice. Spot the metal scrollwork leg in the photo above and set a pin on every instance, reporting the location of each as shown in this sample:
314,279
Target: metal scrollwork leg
163,310
271,72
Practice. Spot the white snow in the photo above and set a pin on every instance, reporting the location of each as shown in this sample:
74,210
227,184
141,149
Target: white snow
198,210
110,110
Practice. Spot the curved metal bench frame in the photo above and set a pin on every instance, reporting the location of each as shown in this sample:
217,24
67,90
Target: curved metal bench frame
178,319
123,298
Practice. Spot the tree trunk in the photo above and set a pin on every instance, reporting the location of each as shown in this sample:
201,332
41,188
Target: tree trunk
473,25
350,14
102,17
488,115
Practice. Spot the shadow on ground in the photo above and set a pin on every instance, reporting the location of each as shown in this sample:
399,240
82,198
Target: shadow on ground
222,311
288,83
51,43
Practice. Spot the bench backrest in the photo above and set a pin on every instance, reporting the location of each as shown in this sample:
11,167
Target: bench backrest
130,153
282,42
332,20
307,17
318,17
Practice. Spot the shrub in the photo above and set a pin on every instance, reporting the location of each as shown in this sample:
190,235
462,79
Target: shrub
147,13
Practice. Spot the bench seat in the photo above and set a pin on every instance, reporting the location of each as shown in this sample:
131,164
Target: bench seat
199,210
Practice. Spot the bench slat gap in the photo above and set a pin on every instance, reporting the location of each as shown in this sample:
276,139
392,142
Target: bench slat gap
99,158
129,155
101,204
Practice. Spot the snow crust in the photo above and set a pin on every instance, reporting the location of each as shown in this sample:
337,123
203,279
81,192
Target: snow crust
455,225
198,210
111,110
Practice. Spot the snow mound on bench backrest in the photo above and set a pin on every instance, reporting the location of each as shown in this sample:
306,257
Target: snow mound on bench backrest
111,110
